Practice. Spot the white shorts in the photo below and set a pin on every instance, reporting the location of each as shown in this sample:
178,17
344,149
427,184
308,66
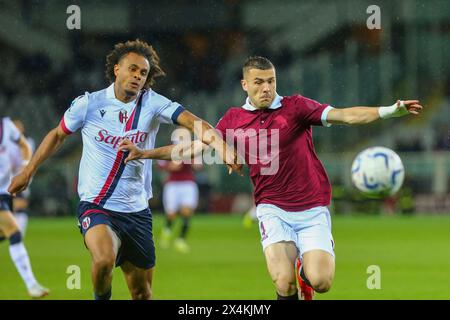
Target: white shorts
309,229
178,194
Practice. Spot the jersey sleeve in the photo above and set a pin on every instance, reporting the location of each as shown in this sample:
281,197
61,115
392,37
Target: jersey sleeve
311,112
75,116
168,111
16,159
14,133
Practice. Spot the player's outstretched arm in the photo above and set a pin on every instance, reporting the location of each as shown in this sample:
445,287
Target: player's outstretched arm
52,141
209,136
181,151
363,115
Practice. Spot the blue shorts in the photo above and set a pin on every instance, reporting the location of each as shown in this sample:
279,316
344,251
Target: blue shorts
6,203
134,230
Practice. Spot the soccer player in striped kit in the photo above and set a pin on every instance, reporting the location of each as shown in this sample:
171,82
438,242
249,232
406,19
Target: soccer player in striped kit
113,213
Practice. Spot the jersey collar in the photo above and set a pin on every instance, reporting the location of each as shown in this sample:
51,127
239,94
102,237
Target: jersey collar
276,103
110,92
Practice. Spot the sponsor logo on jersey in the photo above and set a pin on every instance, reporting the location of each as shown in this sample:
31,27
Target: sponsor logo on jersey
136,137
102,112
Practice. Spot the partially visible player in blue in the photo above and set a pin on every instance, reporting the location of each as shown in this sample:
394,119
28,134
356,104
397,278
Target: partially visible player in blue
113,213
10,135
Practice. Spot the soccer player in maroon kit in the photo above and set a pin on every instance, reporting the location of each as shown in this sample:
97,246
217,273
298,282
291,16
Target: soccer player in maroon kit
291,187
180,196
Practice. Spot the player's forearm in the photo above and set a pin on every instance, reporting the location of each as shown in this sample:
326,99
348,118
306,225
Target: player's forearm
210,137
51,143
161,153
360,115
181,151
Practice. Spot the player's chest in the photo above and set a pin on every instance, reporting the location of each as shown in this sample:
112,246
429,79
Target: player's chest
118,119
270,126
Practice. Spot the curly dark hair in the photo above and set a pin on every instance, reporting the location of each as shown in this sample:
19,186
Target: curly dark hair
139,47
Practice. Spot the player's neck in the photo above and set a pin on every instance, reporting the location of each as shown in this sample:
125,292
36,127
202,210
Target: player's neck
122,96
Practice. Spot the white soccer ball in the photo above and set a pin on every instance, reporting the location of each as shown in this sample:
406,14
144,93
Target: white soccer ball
378,172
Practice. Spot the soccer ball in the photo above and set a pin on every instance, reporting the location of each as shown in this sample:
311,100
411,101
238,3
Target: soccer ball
378,172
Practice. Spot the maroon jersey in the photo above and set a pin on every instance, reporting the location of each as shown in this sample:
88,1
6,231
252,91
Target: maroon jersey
279,151
185,172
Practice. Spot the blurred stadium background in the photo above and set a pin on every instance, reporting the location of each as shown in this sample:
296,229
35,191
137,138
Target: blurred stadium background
323,50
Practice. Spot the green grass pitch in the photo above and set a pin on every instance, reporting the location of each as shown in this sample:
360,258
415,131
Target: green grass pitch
226,261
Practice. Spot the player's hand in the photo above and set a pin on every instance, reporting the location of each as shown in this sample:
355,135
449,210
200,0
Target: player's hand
412,106
237,165
19,183
134,152
236,168
400,108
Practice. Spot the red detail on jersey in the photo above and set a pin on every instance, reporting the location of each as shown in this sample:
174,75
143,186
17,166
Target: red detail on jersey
109,180
64,127
130,121
93,211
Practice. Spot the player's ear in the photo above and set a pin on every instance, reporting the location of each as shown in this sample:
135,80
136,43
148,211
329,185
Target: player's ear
244,84
116,69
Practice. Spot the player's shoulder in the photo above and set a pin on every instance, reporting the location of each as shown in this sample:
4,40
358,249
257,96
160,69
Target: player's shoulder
154,99
292,99
81,100
299,101
8,122
5,119
233,113
90,100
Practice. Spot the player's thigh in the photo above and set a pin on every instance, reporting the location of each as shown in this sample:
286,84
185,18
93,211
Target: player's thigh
8,224
319,264
280,259
188,197
102,242
20,204
171,198
314,233
139,280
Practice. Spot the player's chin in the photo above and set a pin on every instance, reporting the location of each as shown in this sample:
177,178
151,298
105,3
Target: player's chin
265,103
132,91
